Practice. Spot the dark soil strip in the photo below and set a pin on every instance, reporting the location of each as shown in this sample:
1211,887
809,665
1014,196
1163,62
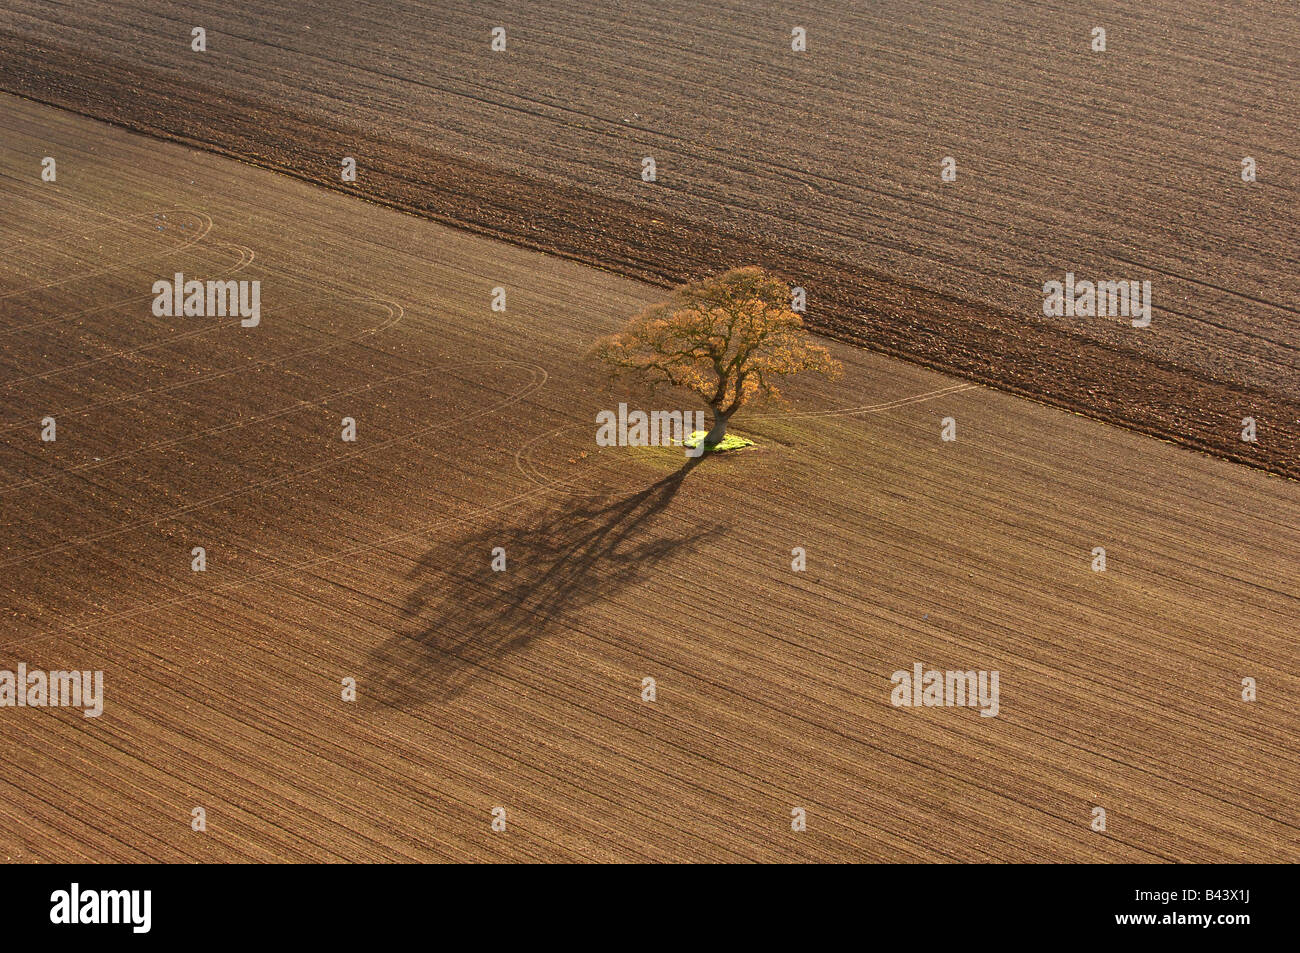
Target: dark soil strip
850,303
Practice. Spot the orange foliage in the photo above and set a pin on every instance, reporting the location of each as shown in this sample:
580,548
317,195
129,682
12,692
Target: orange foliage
730,339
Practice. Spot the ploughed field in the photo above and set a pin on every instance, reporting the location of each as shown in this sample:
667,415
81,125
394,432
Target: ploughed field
523,690
824,165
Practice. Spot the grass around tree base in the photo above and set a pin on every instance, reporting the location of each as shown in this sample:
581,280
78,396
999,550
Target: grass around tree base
729,442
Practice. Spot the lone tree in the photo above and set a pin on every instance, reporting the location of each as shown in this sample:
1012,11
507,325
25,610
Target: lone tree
730,339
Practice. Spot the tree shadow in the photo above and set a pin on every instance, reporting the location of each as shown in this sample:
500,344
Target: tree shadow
462,615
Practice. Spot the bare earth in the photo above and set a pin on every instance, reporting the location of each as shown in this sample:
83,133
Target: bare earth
522,689
824,166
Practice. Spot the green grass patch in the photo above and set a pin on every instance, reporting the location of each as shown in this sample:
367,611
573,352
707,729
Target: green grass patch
730,442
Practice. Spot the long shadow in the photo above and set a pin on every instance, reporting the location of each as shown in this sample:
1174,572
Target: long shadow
462,615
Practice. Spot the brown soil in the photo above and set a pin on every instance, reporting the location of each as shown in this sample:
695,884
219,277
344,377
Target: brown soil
1110,167
522,689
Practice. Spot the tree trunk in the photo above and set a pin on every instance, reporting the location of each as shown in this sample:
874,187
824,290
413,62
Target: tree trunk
714,436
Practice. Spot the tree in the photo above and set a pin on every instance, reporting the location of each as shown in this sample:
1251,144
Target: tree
730,339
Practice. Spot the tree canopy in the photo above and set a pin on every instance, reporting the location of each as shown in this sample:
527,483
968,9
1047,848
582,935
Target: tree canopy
731,339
